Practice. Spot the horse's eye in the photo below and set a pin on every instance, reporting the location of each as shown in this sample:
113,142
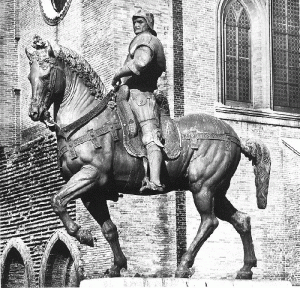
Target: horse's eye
45,67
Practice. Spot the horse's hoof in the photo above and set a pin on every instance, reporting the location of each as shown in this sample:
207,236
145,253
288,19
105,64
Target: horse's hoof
85,237
183,273
244,275
114,271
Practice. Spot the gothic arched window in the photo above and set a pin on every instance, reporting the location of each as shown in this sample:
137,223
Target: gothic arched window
60,265
286,62
236,47
16,265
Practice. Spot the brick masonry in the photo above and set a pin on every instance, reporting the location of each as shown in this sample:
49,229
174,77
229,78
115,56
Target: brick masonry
178,112
9,80
29,176
154,231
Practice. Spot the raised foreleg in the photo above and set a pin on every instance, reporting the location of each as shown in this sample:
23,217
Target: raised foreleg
99,210
82,182
241,222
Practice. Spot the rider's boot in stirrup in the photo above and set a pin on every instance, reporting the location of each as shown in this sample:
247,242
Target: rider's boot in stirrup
155,159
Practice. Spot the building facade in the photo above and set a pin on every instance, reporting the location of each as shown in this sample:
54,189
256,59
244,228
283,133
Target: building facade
235,59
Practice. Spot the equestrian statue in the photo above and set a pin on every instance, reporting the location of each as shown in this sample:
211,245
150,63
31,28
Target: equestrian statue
108,141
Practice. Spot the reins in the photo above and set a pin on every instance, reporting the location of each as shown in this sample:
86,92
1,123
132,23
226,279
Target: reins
68,130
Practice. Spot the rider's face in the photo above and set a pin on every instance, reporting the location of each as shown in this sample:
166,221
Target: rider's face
140,25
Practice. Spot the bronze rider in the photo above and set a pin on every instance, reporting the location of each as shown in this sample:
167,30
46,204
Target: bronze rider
143,66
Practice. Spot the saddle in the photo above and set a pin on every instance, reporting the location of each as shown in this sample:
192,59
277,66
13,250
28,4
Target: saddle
132,136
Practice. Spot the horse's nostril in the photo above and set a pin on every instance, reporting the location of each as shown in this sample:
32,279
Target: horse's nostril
33,115
33,112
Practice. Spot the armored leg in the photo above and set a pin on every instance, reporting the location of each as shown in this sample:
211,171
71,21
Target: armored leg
152,143
155,159
143,104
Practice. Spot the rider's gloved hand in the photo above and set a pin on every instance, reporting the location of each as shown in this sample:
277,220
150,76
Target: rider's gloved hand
116,80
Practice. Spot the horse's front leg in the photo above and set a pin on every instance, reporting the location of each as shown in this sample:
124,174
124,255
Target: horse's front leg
83,181
99,210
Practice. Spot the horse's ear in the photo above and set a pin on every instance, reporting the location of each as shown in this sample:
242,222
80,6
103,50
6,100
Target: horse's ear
50,50
28,54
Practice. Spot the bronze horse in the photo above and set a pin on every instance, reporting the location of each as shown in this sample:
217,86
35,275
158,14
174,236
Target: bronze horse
96,166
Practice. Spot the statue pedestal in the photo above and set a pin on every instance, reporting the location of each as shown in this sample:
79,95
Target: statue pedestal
178,282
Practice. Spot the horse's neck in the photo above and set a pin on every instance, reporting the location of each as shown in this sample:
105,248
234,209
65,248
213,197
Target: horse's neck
77,100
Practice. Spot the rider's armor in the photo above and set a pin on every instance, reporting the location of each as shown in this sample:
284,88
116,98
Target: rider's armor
142,85
142,82
145,78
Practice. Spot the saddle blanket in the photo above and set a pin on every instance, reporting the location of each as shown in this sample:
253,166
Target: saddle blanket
133,143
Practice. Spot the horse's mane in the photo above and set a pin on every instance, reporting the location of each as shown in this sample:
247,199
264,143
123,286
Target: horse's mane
83,69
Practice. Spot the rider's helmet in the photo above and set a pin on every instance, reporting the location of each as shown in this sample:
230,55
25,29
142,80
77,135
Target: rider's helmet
148,17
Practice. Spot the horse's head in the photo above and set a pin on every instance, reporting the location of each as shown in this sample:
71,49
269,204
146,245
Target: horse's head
46,76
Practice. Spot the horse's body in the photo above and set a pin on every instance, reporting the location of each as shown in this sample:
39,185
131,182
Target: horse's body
101,166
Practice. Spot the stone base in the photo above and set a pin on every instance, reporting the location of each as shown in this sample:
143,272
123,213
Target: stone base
179,282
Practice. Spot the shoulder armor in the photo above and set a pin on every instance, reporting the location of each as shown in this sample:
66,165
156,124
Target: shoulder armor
143,39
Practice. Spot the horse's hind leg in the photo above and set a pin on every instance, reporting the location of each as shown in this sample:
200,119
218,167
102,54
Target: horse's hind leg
99,210
241,222
204,203
80,183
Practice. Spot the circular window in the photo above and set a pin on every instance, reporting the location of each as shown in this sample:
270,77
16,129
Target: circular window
54,11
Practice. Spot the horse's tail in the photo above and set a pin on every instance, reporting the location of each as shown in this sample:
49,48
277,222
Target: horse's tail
259,154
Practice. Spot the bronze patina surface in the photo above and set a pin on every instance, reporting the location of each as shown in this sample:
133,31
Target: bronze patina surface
96,165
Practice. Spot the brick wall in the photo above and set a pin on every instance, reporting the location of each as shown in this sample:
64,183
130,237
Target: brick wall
291,188
178,112
29,177
9,80
199,43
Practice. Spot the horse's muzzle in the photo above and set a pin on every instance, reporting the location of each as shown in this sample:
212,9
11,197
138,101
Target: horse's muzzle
34,113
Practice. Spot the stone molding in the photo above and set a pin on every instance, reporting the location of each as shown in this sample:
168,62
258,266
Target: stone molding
61,235
181,282
261,116
24,251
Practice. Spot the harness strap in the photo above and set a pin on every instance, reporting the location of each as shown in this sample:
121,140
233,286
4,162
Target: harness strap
194,136
90,136
68,130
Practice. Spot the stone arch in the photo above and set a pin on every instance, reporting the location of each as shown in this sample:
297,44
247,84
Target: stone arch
60,265
16,265
258,14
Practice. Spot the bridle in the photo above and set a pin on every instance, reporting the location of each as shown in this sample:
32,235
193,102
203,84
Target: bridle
66,131
49,80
